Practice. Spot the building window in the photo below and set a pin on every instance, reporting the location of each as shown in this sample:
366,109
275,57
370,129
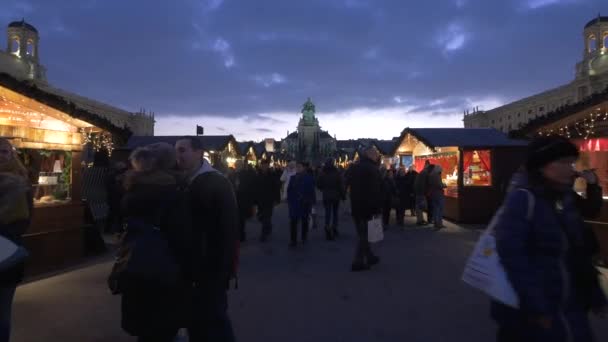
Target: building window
540,109
509,117
592,43
530,111
518,115
30,48
500,120
15,46
493,121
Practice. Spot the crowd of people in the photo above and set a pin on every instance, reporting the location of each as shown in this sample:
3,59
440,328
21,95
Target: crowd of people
182,222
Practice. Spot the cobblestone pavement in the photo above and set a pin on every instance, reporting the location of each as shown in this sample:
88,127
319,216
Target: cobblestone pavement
301,295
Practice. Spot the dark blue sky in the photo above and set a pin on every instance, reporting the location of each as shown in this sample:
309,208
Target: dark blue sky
245,67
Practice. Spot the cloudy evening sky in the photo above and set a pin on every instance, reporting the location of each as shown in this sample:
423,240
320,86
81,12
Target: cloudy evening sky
245,67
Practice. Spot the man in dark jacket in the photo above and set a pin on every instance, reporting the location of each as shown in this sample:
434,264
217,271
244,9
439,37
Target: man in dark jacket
365,185
268,195
245,188
421,192
331,185
215,237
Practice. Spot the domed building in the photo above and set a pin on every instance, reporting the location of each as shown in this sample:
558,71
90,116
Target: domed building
591,78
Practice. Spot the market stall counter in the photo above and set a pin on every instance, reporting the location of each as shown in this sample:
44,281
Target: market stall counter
477,166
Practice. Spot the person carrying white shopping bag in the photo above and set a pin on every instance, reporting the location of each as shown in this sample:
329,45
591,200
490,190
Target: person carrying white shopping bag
546,249
365,184
484,270
375,230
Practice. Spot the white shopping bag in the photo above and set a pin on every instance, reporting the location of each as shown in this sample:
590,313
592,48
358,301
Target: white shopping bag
375,232
484,270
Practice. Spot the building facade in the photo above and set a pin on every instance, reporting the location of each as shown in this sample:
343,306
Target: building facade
21,60
591,78
309,143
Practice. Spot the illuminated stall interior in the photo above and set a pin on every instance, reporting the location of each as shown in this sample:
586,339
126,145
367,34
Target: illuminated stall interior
46,140
467,158
586,124
588,129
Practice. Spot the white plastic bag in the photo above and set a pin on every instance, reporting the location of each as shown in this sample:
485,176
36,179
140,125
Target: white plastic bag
484,270
375,232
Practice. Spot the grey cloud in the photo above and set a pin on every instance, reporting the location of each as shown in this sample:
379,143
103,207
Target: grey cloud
194,56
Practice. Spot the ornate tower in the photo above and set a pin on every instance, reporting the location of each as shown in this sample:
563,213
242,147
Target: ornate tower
22,42
595,54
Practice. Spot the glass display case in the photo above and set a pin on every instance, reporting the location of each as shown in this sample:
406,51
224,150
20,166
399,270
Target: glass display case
50,174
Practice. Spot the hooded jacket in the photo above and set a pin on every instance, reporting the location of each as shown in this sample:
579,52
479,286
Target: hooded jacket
548,259
152,198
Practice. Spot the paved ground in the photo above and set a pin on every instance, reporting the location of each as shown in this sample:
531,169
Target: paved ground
300,296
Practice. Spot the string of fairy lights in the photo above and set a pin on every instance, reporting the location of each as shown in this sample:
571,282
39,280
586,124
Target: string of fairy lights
583,128
98,140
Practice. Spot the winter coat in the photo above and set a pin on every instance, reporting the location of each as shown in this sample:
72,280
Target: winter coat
331,185
365,186
215,218
405,185
548,260
285,178
389,189
435,184
17,206
151,197
268,189
300,195
245,185
421,183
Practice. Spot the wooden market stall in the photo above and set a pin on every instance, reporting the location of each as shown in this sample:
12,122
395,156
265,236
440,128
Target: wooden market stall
585,123
477,165
247,152
50,135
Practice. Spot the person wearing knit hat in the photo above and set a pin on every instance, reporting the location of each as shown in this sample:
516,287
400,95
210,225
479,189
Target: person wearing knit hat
547,249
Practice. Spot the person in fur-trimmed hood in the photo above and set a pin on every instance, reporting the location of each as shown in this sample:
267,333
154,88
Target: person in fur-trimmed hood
152,196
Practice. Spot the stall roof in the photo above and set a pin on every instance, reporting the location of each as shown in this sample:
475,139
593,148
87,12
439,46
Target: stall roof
386,147
210,142
461,137
244,147
68,103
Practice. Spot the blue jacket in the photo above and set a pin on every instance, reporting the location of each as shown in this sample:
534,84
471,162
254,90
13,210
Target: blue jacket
548,256
300,195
